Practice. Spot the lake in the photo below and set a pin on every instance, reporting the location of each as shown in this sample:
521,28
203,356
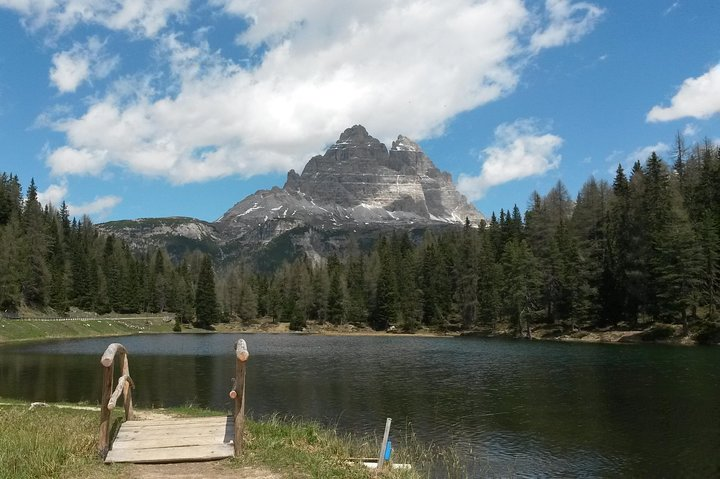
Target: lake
511,408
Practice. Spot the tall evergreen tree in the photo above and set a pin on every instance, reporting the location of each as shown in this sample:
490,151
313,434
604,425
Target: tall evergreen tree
207,311
36,275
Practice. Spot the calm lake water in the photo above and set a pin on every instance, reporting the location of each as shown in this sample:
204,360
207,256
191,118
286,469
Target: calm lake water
512,408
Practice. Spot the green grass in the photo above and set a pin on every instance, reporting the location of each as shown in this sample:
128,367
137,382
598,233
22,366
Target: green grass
48,442
51,442
299,448
13,330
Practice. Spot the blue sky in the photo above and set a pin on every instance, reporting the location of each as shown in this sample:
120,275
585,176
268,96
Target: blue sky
144,108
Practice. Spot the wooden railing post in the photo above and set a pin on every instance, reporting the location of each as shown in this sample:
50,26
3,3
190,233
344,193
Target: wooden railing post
238,393
109,398
127,390
104,442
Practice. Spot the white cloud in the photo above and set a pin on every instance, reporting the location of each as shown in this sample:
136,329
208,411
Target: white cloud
406,66
697,97
691,129
521,149
70,161
80,63
69,70
671,8
640,154
53,195
643,153
568,22
141,17
100,207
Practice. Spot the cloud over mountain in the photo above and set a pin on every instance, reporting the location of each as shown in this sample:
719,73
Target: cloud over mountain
405,66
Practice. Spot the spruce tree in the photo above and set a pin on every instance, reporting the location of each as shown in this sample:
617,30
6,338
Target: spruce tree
10,265
207,311
36,275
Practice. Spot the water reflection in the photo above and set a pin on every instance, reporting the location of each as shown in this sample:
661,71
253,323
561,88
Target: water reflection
513,408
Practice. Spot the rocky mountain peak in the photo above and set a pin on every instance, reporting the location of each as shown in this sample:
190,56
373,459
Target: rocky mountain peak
403,143
356,134
358,181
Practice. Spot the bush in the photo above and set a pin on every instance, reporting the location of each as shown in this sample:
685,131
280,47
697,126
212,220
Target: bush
658,332
708,333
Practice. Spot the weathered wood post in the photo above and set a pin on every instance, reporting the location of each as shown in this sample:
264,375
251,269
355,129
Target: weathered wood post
104,441
127,390
238,393
109,398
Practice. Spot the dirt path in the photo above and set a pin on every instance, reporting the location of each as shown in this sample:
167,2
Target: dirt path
196,470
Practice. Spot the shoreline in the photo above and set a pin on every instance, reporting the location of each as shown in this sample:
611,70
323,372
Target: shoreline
274,447
13,331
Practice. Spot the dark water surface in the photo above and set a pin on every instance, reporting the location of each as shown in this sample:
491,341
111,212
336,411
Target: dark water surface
512,408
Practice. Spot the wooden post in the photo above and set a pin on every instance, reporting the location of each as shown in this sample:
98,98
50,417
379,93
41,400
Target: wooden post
127,389
108,399
241,355
381,456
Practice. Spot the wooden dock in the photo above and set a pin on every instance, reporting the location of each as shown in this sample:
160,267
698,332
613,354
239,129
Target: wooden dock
173,440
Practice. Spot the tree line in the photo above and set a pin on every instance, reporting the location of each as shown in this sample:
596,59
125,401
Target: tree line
48,260
643,250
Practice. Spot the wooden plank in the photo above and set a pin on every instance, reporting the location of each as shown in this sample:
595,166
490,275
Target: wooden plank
220,436
177,420
171,441
176,428
172,454
127,435
131,425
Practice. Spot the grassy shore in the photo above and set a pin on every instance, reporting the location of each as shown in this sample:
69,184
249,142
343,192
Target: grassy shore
61,442
13,330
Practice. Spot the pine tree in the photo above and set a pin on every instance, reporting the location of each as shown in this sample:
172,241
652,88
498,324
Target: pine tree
521,286
184,311
10,265
36,275
430,285
680,264
247,308
385,309
489,280
590,232
357,309
207,311
468,278
58,270
710,245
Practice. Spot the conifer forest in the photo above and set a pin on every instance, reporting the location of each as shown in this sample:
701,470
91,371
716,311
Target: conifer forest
642,250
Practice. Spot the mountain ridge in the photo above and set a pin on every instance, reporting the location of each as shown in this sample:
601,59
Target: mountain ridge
357,184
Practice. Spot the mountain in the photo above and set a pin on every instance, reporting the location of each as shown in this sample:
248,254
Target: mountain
358,187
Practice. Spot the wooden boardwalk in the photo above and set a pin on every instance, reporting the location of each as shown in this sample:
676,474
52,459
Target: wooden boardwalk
173,440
